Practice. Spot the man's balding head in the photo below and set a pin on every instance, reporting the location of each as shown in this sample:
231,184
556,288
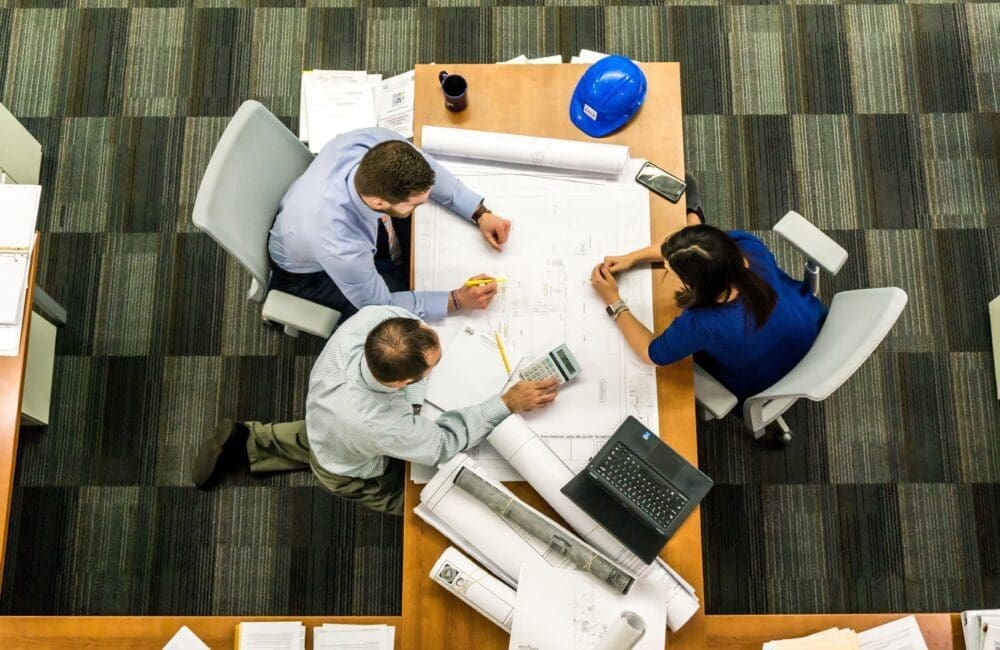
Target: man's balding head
401,350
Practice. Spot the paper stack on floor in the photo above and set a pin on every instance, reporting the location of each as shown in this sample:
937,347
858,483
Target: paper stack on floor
903,634
18,216
337,101
981,629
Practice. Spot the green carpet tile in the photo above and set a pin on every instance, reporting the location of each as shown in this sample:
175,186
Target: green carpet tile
877,121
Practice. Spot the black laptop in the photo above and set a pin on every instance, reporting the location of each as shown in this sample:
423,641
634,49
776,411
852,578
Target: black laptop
638,488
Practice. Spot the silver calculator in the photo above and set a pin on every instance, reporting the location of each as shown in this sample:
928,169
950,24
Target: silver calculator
559,363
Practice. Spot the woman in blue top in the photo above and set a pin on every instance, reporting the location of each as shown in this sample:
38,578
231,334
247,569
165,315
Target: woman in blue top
746,322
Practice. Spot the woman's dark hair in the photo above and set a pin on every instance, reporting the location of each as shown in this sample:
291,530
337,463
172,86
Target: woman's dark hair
709,263
397,348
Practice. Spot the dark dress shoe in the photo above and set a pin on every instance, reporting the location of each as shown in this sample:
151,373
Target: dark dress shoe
694,197
226,450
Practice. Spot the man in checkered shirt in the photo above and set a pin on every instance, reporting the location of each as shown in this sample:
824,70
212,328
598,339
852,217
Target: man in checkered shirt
362,415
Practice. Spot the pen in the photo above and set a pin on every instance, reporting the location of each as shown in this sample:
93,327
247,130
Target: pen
503,354
479,283
14,249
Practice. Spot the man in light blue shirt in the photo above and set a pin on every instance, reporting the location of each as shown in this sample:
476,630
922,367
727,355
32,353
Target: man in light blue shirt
362,415
339,238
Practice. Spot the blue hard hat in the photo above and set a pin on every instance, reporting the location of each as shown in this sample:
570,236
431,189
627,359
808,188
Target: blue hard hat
607,96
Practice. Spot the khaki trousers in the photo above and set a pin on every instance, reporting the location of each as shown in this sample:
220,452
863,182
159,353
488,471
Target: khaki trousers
284,447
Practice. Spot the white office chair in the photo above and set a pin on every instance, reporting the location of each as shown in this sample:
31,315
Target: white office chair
856,324
255,162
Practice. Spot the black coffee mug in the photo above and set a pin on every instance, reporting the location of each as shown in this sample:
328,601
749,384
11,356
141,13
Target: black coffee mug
456,91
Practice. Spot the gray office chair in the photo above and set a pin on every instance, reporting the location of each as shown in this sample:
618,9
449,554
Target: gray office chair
857,323
255,162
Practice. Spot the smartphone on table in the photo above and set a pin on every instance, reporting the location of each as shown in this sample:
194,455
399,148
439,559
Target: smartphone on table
660,181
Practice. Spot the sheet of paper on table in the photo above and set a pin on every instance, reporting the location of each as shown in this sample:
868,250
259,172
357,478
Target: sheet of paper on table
902,634
395,105
560,230
271,635
335,636
565,609
471,369
185,639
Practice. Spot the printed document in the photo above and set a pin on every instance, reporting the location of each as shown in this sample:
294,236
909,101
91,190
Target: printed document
565,609
903,634
334,636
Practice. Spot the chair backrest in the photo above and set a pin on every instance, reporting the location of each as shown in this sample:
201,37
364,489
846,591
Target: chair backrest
255,162
857,323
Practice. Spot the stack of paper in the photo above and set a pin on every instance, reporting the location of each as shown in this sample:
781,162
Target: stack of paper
555,58
981,629
332,636
271,635
337,101
588,56
903,634
18,216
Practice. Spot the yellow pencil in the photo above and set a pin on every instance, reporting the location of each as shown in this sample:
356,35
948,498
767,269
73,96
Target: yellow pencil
478,283
503,354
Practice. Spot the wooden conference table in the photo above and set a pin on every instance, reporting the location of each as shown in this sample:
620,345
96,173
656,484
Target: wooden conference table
524,99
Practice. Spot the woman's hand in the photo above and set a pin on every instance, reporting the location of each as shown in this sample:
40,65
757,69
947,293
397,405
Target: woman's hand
619,263
604,284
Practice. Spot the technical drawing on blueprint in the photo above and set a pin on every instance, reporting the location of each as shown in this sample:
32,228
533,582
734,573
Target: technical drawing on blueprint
561,228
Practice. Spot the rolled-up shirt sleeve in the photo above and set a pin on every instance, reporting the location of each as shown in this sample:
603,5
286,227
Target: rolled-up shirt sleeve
451,192
363,286
428,442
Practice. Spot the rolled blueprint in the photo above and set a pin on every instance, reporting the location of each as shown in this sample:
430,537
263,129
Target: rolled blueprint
520,446
559,542
475,587
623,634
525,150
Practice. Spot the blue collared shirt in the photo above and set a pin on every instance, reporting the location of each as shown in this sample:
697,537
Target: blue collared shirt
323,225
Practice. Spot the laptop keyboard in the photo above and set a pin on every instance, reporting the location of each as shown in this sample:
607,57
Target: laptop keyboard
629,475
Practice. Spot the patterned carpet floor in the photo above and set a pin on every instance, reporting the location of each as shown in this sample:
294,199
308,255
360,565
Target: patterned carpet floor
877,121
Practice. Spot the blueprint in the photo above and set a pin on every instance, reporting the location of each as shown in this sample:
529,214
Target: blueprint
560,609
561,229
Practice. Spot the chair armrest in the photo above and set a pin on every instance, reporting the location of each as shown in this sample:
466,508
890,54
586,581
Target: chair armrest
711,395
811,242
300,314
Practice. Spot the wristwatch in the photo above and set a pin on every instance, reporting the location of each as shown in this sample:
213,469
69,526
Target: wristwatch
615,310
480,211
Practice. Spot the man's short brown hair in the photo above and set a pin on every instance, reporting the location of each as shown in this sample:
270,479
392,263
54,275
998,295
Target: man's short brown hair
393,171
396,350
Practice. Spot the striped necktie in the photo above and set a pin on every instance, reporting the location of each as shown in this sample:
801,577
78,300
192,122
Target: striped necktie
395,248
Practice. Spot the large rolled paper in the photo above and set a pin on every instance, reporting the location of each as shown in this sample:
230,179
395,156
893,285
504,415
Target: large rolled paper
623,634
515,441
512,510
475,587
595,157
479,531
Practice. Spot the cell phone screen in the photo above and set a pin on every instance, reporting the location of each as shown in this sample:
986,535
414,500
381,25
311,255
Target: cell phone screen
662,182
